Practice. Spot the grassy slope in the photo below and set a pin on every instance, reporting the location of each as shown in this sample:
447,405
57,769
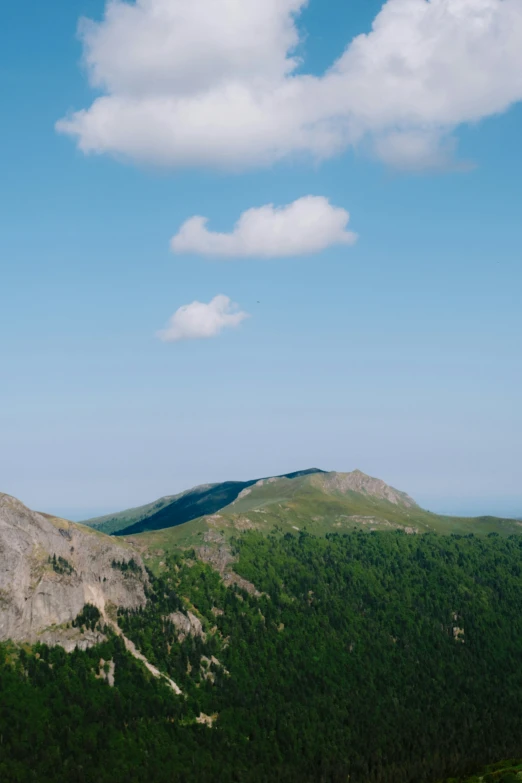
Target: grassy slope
300,503
175,510
112,523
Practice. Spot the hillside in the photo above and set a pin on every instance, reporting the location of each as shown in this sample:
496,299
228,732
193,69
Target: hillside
314,500
272,639
174,510
384,658
51,568
319,503
346,501
112,523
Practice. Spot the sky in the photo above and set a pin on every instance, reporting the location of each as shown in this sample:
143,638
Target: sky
242,239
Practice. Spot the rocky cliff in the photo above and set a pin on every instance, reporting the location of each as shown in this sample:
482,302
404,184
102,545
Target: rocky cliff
51,568
359,482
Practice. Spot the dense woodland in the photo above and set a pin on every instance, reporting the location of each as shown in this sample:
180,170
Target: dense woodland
373,658
503,772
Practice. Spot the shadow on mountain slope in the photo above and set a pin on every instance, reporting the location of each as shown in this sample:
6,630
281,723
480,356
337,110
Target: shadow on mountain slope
197,503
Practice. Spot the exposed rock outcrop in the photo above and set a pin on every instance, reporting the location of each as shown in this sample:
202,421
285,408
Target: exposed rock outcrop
364,485
106,672
51,568
186,624
217,554
69,638
208,664
206,720
131,647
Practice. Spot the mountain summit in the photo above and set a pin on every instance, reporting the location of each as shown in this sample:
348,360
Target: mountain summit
359,482
312,500
319,488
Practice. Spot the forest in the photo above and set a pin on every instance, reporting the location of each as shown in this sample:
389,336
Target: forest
366,657
509,771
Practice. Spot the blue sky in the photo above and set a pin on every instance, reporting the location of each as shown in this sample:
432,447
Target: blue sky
399,355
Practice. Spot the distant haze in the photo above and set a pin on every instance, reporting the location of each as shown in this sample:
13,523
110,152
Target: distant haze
474,507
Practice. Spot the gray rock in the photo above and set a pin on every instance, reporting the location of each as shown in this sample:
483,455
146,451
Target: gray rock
106,672
36,603
359,482
187,624
220,557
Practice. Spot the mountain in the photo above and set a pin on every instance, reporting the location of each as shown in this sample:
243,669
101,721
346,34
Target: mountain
51,568
315,501
174,510
382,658
302,628
270,638
329,502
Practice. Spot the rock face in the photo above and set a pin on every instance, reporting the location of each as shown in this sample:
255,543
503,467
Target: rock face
39,594
187,624
216,553
364,485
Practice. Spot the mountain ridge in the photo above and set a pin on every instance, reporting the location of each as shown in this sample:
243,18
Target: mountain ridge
174,510
316,500
249,617
319,504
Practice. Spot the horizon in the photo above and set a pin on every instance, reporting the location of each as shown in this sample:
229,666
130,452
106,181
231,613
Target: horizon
279,239
466,508
241,238
506,507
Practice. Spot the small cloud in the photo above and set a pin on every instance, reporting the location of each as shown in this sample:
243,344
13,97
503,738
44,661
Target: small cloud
308,225
199,320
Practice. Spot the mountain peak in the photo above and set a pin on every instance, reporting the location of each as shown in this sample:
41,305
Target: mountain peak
360,482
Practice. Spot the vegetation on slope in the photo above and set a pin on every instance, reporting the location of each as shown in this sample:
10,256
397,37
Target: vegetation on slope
61,722
323,505
384,657
177,509
502,772
303,503
113,523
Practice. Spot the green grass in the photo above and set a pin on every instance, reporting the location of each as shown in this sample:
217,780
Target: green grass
175,510
112,523
301,503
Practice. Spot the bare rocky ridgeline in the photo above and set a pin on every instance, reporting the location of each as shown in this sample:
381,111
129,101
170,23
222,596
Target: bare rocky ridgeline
37,601
364,485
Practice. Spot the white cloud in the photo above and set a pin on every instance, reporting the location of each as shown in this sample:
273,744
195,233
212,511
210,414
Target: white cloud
199,320
308,225
214,82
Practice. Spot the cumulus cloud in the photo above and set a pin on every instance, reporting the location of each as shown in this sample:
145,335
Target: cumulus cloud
200,320
308,225
214,82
